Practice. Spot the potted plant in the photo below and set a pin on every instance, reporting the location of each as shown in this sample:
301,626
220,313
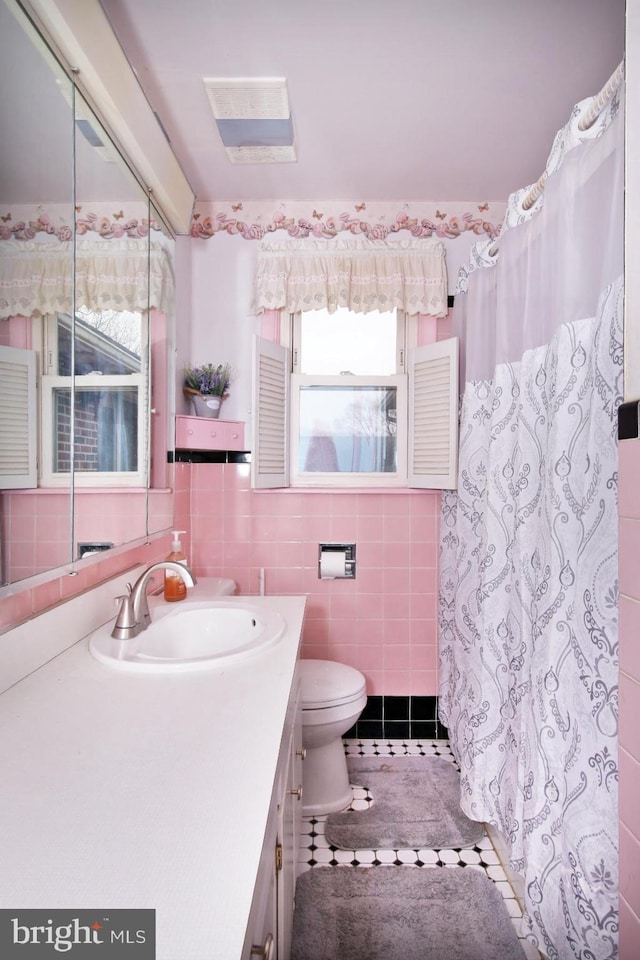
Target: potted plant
206,386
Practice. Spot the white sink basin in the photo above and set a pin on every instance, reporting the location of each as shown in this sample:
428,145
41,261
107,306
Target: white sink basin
194,635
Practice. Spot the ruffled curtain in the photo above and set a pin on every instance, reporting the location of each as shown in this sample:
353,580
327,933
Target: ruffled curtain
123,274
363,275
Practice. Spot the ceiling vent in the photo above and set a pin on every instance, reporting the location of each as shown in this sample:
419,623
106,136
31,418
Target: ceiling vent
253,118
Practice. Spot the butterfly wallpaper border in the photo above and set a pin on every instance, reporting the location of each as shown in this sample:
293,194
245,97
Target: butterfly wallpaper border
376,220
108,220
257,219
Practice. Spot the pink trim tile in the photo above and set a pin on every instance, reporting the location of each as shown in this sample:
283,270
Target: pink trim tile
628,473
629,613
630,868
629,729
628,557
629,769
629,937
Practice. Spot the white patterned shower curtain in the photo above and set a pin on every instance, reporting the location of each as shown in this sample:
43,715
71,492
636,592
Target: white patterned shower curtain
528,562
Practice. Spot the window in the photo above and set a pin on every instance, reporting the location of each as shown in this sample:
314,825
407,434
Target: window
349,401
357,417
109,367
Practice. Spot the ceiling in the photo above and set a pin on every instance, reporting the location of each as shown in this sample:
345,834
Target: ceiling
434,100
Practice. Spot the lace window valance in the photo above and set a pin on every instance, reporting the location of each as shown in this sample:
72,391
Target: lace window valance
120,274
362,275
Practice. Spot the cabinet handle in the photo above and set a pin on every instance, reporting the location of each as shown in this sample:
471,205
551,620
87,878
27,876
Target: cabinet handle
302,752
296,792
265,951
213,433
190,433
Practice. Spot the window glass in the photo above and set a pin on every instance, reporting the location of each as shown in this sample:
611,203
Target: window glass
108,342
106,429
343,342
108,367
347,429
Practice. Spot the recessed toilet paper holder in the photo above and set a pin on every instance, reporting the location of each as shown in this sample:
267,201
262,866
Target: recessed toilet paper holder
331,565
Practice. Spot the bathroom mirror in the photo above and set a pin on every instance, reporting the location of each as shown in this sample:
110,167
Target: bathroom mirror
86,301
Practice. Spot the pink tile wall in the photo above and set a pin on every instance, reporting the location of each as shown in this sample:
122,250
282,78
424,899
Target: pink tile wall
27,603
629,738
383,622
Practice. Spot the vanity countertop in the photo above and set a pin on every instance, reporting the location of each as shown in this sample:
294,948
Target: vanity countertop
122,791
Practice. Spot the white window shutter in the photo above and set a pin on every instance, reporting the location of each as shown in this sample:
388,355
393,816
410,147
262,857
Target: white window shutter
18,424
270,453
433,415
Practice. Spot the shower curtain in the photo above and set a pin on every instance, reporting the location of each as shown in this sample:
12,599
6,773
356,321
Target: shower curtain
528,553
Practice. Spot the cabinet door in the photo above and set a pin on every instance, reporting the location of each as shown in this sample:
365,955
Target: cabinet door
290,817
262,930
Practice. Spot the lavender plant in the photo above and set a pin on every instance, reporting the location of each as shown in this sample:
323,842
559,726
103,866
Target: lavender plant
209,380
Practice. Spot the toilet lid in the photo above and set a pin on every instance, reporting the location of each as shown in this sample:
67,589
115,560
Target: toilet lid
325,683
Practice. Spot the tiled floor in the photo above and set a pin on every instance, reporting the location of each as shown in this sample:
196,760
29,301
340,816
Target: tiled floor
315,851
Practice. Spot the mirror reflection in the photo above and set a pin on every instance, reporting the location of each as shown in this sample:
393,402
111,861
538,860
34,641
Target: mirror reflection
86,303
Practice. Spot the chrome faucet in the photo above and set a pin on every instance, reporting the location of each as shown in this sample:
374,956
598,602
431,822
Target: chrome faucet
134,616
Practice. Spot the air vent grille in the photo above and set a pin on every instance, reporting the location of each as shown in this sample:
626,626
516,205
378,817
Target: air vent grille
261,154
246,98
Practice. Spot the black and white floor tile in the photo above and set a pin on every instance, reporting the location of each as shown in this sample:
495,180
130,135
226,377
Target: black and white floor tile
316,851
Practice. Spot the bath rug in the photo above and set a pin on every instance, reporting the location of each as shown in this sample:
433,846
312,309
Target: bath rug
401,913
416,804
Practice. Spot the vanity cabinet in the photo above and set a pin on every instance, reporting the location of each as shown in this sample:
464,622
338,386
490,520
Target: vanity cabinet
270,924
209,433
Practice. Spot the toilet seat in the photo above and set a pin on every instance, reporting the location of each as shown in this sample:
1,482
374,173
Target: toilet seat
325,684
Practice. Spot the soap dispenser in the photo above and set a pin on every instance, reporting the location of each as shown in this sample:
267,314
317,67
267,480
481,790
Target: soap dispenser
174,586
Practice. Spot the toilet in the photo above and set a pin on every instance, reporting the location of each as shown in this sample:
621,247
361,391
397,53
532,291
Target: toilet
333,697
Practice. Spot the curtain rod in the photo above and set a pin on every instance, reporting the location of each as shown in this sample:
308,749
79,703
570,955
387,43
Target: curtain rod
590,116
586,121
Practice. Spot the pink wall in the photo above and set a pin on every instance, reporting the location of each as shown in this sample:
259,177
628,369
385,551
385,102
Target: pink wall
383,622
629,733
